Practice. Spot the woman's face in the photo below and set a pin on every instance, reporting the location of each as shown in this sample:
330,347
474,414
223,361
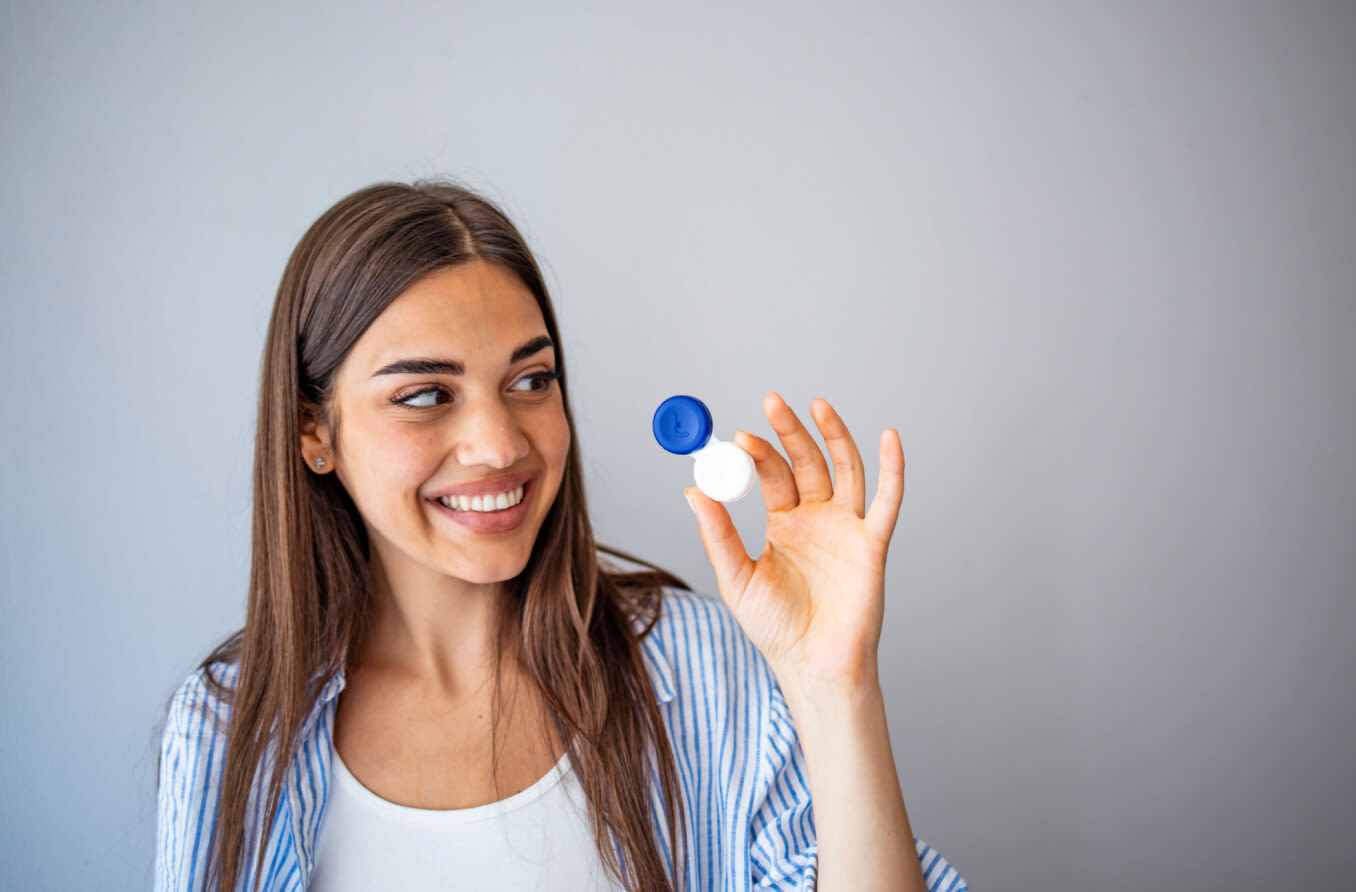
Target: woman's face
447,395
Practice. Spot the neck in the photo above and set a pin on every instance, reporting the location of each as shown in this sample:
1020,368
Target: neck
434,629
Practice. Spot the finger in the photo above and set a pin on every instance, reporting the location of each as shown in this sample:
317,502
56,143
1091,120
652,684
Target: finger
807,462
890,489
774,474
724,548
849,478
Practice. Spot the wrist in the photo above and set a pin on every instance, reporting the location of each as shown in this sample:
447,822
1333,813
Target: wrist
845,684
824,707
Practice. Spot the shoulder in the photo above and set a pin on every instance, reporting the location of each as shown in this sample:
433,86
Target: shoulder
712,661
690,621
194,740
694,634
199,708
707,671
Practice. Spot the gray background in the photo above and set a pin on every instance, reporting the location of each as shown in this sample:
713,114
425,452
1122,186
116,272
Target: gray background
1094,262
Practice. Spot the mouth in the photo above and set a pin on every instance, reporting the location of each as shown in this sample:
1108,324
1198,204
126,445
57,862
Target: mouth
492,513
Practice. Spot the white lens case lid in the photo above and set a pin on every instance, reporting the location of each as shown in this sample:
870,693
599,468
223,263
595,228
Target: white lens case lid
723,471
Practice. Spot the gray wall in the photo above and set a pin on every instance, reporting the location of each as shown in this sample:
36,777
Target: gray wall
1094,263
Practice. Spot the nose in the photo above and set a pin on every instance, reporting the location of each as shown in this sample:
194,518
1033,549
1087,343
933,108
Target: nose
489,435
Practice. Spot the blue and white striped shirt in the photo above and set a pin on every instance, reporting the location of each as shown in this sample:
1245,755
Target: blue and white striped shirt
741,770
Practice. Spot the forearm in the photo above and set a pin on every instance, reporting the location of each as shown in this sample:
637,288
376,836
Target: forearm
865,841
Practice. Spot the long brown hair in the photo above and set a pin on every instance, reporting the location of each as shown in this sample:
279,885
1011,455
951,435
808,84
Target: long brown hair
575,621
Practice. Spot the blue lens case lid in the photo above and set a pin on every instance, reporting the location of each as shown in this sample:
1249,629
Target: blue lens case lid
682,424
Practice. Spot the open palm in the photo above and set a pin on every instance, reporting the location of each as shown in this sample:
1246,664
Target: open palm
814,600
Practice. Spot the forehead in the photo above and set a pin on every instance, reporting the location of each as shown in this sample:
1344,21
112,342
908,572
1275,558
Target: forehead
469,311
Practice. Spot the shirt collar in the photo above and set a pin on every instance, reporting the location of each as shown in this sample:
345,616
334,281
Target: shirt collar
332,688
657,662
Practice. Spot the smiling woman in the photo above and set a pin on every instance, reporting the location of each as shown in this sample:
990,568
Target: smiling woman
444,682
450,392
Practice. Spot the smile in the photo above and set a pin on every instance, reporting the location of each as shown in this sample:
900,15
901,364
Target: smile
491,512
488,503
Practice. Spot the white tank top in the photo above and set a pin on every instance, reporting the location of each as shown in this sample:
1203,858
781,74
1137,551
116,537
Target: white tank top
537,839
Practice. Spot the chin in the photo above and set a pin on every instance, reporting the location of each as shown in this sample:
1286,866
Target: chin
484,572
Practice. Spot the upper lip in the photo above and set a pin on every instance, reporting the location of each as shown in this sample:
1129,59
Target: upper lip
507,483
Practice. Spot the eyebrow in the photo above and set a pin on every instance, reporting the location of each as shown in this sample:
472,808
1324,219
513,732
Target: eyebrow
455,367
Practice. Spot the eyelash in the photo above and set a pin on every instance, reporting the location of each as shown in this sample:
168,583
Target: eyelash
548,377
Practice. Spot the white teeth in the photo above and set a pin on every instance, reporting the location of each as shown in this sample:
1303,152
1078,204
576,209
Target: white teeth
485,503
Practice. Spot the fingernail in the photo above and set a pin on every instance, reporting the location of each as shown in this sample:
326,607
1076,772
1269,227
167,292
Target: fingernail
690,503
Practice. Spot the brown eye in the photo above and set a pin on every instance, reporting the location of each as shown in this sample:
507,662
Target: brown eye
539,382
422,395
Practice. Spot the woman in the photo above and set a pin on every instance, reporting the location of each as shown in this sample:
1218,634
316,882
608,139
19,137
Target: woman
440,684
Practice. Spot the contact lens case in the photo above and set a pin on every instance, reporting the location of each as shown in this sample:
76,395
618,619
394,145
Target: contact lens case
724,472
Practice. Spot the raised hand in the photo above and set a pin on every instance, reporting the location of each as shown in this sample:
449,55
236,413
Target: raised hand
813,601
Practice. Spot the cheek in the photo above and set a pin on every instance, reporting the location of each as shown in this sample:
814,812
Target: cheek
556,440
549,434
394,462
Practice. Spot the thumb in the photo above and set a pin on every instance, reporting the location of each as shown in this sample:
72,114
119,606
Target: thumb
724,548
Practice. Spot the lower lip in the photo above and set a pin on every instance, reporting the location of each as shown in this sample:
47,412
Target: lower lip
493,521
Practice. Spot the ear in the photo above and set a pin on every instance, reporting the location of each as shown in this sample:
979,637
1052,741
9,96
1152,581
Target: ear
315,435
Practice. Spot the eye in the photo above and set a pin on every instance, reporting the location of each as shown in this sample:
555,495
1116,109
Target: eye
409,400
539,382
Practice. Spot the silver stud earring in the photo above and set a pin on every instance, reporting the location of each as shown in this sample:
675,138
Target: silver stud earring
319,463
